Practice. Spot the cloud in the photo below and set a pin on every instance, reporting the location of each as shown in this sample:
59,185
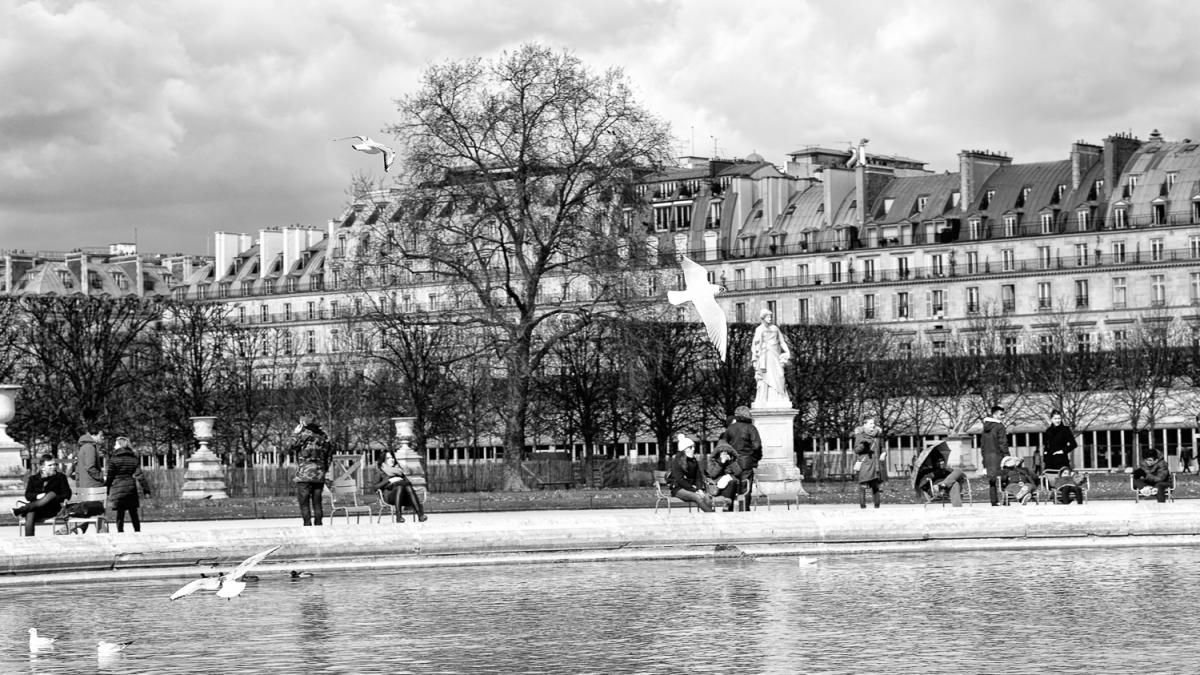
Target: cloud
183,118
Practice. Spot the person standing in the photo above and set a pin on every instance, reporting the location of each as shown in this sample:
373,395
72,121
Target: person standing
312,463
868,445
45,493
684,477
1185,458
742,436
88,471
993,444
124,479
1059,441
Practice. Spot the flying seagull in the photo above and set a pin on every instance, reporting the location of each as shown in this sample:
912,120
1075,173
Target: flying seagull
227,585
37,642
702,295
373,148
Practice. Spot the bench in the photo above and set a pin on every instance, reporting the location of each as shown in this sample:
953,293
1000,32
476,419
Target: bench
555,484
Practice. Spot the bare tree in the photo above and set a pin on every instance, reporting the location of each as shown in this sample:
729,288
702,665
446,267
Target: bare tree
1143,366
1067,372
665,386
512,173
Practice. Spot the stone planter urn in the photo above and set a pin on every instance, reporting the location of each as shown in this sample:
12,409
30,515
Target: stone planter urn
408,458
10,450
205,478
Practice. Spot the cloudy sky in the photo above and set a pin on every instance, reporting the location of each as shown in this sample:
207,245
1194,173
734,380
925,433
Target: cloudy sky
169,120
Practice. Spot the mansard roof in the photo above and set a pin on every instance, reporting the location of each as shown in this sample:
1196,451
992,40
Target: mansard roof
905,193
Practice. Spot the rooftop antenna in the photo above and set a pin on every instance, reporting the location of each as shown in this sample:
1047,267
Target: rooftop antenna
693,140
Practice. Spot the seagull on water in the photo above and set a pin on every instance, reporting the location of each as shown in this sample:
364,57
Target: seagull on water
37,642
373,148
226,585
106,647
702,295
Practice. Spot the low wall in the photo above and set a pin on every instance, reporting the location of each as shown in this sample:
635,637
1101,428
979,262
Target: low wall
483,538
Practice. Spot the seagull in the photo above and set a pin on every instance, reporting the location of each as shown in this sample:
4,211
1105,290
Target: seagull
373,148
226,585
702,295
37,642
106,647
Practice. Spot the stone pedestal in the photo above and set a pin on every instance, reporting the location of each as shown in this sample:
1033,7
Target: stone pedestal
205,478
407,458
11,464
777,474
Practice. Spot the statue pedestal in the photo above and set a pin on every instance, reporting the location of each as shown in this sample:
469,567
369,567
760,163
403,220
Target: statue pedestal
205,479
777,474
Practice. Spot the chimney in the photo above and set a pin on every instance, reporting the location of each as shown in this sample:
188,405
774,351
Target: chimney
270,246
974,168
1083,157
1118,150
227,246
294,241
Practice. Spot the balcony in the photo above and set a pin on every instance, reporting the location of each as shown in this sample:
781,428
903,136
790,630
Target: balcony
1081,302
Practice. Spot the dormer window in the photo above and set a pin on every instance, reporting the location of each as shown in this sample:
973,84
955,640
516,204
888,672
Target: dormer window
65,278
1172,176
1058,193
975,228
1010,225
922,201
1120,218
1047,222
1022,196
987,199
955,198
887,205
121,280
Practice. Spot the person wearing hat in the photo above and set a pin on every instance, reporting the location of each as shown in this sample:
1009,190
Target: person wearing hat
993,445
1012,471
1152,477
742,436
868,445
684,477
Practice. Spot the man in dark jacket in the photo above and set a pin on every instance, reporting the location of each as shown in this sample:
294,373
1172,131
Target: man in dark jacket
744,439
313,454
1059,442
87,472
1153,476
684,478
993,444
45,493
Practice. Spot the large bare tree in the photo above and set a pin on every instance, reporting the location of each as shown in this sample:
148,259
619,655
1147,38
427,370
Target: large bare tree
512,173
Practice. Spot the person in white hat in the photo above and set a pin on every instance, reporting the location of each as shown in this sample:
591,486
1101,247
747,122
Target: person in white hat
684,478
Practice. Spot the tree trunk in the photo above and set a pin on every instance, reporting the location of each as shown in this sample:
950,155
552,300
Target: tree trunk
516,408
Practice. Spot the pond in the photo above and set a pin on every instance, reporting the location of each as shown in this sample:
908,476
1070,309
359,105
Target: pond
1074,611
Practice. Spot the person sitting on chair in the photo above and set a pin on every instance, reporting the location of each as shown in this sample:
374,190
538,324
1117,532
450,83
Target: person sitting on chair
942,478
1066,488
684,477
1152,477
397,489
46,491
1012,471
724,468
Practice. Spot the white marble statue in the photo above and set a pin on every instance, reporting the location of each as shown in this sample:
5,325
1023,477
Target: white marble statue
769,351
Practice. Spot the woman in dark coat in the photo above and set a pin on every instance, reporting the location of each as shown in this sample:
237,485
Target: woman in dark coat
123,480
868,445
397,489
1059,441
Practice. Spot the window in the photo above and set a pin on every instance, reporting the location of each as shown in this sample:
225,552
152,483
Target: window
1156,250
739,312
317,282
937,303
1083,218
662,218
264,315
1194,246
312,310
935,265
987,199
802,274
682,217
772,277
1011,347
1119,293
835,272
739,278
835,308
868,269
938,347
1158,214
241,314
1047,221
1196,211
1158,291
1081,255
1046,344
1133,183
905,349
310,342
1081,293
287,342
922,202
972,262
1120,219
1171,178
1058,193
1195,288
772,308
1008,298
1007,260
887,204
802,310
713,222
291,285
1043,254
1044,300
287,311
1083,343
1010,226
902,268
247,287
1120,338
972,300
902,306
121,280
1118,252
974,229
869,306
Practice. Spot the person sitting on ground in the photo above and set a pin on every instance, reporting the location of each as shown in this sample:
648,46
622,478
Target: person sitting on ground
397,488
45,492
1152,477
723,467
684,477
1012,471
1066,487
